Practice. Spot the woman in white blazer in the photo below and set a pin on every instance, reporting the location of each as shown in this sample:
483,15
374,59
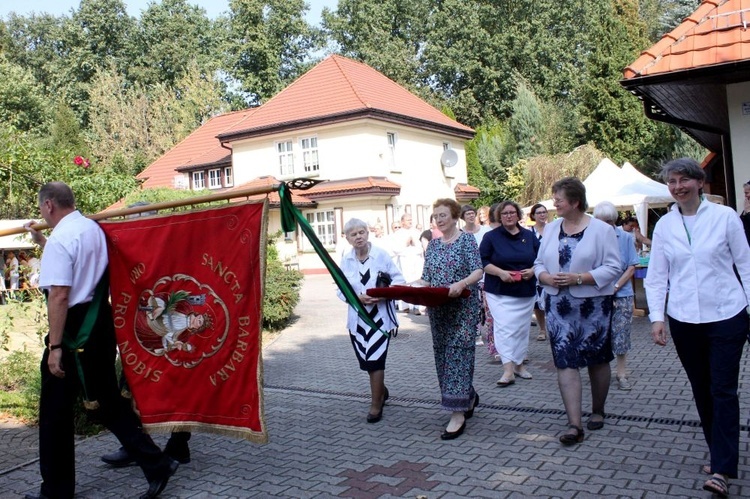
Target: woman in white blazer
577,264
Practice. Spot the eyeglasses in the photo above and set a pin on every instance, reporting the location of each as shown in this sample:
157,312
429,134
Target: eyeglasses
396,227
509,214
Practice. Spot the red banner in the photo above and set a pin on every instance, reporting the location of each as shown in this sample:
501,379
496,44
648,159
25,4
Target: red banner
186,298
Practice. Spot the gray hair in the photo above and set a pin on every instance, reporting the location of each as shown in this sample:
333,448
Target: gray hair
606,212
355,223
683,166
59,193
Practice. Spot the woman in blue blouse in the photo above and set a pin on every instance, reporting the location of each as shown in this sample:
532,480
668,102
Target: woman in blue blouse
508,254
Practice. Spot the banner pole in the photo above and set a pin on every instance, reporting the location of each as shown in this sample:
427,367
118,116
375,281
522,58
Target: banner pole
219,196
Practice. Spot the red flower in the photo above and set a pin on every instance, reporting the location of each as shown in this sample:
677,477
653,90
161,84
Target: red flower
81,161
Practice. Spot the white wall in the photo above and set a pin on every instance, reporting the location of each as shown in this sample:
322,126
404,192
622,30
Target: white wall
360,149
739,130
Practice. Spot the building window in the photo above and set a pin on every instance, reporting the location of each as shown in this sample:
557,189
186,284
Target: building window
391,151
446,146
214,178
286,157
324,225
310,154
228,180
199,180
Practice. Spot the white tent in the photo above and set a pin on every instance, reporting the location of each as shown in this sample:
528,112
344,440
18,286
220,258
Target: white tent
627,189
16,241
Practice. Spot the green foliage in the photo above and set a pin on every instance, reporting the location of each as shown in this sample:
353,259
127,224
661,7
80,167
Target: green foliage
22,101
281,291
525,124
26,163
267,44
20,385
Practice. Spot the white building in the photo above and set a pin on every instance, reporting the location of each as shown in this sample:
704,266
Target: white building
381,150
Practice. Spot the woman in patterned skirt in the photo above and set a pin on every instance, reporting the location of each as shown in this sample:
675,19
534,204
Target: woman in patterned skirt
361,266
577,264
453,261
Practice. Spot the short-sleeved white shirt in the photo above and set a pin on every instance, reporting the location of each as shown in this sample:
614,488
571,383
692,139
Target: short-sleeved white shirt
75,255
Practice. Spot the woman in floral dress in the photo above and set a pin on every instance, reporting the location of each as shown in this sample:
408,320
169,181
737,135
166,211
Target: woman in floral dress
453,261
578,263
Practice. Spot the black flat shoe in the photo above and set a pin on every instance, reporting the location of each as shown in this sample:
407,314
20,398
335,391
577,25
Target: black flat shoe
157,485
468,414
450,435
569,438
596,425
374,418
118,459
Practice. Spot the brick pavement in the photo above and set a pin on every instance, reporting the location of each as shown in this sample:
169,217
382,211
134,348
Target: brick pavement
320,446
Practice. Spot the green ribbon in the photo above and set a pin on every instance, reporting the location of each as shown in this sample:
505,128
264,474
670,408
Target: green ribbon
290,216
76,344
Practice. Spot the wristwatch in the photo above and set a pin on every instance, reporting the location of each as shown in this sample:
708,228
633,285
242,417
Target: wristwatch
55,347
617,286
579,281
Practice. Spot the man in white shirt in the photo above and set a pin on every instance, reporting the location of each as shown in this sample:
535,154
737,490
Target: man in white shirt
73,273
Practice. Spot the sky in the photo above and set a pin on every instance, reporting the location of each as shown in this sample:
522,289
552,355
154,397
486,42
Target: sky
213,7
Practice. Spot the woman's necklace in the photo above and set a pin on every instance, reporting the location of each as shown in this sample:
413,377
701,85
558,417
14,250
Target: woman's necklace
452,238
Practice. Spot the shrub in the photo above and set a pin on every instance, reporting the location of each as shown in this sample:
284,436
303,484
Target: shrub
282,290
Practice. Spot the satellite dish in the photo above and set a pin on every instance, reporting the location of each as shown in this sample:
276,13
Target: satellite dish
449,158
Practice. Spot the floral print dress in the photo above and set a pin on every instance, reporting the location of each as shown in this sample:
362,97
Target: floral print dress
454,324
578,328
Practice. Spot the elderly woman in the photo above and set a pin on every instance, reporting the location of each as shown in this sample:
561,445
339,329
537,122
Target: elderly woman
453,261
577,264
361,266
622,304
508,253
538,214
696,247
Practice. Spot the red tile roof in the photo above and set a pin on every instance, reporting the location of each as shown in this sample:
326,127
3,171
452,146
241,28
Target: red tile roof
378,186
200,147
337,89
465,192
716,33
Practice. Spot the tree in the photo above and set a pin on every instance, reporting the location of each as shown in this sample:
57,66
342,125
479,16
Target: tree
132,125
170,37
387,35
610,116
22,101
268,45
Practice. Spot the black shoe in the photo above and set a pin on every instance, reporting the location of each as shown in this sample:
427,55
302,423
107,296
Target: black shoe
450,435
596,425
570,438
374,418
178,452
157,485
118,459
468,414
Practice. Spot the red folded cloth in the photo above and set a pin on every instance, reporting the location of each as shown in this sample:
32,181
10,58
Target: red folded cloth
430,297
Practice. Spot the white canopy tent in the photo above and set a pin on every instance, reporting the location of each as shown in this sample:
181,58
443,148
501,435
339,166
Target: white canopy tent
627,189
17,241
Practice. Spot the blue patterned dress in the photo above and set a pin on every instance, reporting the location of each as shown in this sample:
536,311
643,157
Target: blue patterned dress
578,328
454,324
